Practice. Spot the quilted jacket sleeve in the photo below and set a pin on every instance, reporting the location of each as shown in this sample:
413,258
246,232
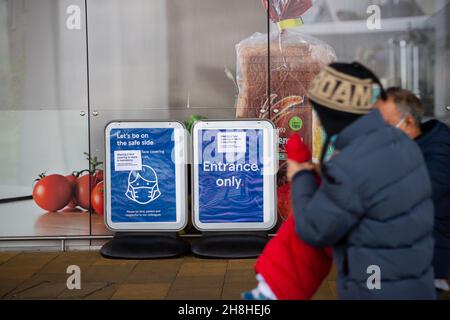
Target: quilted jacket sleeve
324,215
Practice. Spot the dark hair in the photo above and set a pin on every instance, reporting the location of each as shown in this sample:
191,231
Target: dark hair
407,103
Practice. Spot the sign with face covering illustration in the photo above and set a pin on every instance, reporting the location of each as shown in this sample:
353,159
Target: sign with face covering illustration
143,175
143,185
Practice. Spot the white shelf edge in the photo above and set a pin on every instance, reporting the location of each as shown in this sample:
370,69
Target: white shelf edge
360,26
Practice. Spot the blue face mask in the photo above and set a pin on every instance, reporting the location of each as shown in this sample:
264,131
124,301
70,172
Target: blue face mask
330,149
376,93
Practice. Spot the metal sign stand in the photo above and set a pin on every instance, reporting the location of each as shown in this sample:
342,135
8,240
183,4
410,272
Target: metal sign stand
146,239
231,239
230,245
126,245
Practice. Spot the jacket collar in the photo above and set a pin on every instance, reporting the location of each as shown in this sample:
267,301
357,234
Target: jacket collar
433,131
362,126
428,130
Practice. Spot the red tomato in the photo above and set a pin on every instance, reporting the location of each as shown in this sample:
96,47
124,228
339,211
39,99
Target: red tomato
82,191
98,176
52,192
72,180
97,198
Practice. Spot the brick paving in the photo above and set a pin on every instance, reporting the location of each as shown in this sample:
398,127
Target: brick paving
42,275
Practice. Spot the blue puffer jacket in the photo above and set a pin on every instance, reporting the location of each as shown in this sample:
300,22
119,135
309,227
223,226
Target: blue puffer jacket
435,145
374,207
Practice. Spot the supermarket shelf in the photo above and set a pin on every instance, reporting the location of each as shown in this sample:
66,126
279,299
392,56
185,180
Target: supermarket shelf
8,192
360,26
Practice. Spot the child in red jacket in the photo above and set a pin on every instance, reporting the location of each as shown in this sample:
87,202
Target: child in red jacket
288,268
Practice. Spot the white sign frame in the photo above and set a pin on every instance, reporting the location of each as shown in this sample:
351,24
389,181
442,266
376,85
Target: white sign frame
181,151
270,153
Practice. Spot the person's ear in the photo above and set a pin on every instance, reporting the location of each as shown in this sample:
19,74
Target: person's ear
410,121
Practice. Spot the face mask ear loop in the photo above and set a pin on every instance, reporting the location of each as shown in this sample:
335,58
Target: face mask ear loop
130,194
399,124
153,191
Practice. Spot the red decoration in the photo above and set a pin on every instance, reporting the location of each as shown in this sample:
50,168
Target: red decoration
297,150
286,9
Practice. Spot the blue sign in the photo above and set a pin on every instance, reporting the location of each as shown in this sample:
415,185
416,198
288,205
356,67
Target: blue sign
230,176
142,175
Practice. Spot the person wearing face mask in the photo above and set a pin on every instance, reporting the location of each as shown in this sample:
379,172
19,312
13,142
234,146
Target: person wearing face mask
303,267
374,205
404,111
291,268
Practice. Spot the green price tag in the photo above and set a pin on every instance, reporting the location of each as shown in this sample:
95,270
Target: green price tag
296,123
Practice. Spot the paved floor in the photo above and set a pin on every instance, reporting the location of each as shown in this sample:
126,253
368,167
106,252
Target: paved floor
42,275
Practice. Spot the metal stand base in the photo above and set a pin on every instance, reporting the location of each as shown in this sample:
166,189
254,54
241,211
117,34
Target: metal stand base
230,245
144,246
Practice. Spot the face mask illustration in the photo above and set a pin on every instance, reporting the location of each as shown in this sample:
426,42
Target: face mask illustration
143,185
